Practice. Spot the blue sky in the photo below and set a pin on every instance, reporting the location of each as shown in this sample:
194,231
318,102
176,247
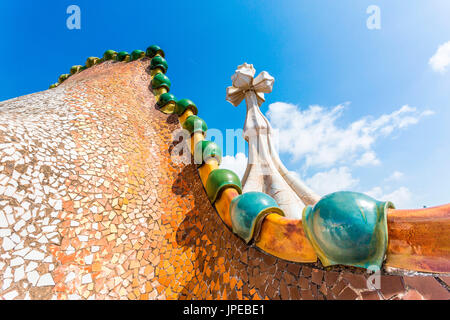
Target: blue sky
320,53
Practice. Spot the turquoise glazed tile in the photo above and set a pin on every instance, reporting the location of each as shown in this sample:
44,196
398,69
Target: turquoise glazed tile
247,212
348,228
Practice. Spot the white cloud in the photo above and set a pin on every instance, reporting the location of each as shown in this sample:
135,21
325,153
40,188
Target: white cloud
441,59
237,164
395,176
341,179
314,135
368,158
402,198
332,180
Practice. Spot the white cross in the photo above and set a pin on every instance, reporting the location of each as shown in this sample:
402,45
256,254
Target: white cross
243,81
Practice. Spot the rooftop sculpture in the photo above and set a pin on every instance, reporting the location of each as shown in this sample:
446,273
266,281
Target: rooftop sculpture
265,172
345,228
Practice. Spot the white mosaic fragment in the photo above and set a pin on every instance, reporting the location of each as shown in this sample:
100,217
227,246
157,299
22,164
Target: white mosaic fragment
19,225
16,262
86,279
6,283
33,277
70,276
10,219
10,191
19,274
8,244
46,280
49,229
34,255
43,239
19,246
52,234
88,259
3,221
31,266
55,240
10,295
5,233
27,215
14,237
8,210
70,250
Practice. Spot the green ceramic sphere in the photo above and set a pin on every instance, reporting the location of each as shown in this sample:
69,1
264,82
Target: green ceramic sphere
75,69
91,61
247,211
183,105
166,103
63,77
348,228
205,150
137,54
161,80
109,55
220,179
153,51
123,56
165,98
195,124
159,62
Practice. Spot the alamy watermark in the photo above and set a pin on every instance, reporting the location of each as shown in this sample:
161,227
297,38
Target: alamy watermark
234,141
374,20
74,20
